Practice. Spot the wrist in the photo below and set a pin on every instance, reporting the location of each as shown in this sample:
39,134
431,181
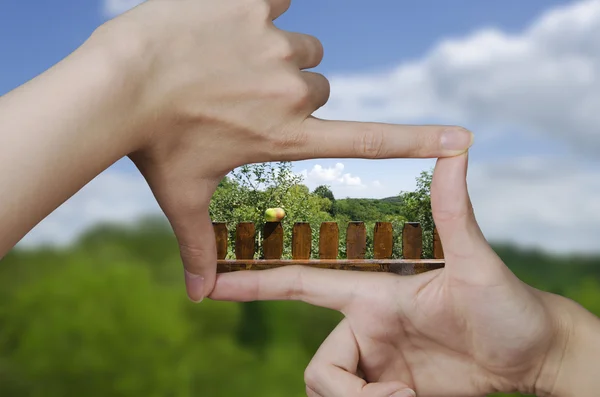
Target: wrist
62,129
119,58
570,368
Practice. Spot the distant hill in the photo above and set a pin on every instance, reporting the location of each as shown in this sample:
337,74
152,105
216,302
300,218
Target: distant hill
395,199
368,210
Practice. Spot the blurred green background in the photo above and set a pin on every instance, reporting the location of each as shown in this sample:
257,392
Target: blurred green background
108,316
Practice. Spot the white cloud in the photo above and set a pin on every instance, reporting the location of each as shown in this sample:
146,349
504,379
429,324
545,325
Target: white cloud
545,80
111,197
335,175
549,203
115,7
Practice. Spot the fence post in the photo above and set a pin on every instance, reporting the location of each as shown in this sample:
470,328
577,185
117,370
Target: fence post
356,240
245,235
272,240
412,243
383,240
329,240
221,238
301,240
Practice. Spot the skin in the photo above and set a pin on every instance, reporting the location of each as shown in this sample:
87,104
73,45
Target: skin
191,89
470,329
188,90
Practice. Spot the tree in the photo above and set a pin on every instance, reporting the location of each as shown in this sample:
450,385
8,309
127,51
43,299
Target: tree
325,192
416,207
251,189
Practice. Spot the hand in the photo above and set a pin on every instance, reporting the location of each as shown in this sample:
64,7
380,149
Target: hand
215,85
469,329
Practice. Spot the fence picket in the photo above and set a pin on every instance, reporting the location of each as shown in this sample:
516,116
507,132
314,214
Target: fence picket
412,241
328,240
383,240
301,241
221,237
272,240
356,240
245,235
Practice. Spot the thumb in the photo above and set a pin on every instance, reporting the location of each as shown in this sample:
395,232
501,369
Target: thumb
198,251
185,201
184,196
462,239
333,371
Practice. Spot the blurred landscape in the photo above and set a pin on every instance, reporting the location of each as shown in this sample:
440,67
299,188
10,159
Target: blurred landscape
108,315
93,300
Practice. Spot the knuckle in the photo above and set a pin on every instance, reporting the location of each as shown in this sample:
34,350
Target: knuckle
296,91
423,144
294,288
371,144
311,375
282,48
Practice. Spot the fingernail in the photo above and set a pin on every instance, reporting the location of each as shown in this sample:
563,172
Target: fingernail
195,287
457,139
404,393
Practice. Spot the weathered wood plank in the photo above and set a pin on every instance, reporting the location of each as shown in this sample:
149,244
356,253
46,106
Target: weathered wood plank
245,236
383,240
221,238
356,240
301,241
272,240
397,266
412,242
329,240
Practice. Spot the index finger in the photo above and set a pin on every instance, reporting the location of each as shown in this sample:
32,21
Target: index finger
332,289
350,139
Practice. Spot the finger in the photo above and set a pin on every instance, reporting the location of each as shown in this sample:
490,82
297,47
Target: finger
185,199
278,7
327,288
464,243
307,51
318,90
333,370
311,393
342,139
197,245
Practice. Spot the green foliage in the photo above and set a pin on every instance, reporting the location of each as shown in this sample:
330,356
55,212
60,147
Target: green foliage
326,193
104,318
416,207
252,189
108,316
369,210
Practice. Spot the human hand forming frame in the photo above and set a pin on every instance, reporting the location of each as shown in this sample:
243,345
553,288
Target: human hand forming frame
189,90
470,329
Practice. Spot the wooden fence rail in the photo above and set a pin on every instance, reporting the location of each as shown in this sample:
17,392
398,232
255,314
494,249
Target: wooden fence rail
356,247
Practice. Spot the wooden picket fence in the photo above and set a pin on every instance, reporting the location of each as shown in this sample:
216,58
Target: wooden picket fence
356,246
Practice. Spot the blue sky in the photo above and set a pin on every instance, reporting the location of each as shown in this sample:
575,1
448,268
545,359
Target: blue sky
521,74
357,35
